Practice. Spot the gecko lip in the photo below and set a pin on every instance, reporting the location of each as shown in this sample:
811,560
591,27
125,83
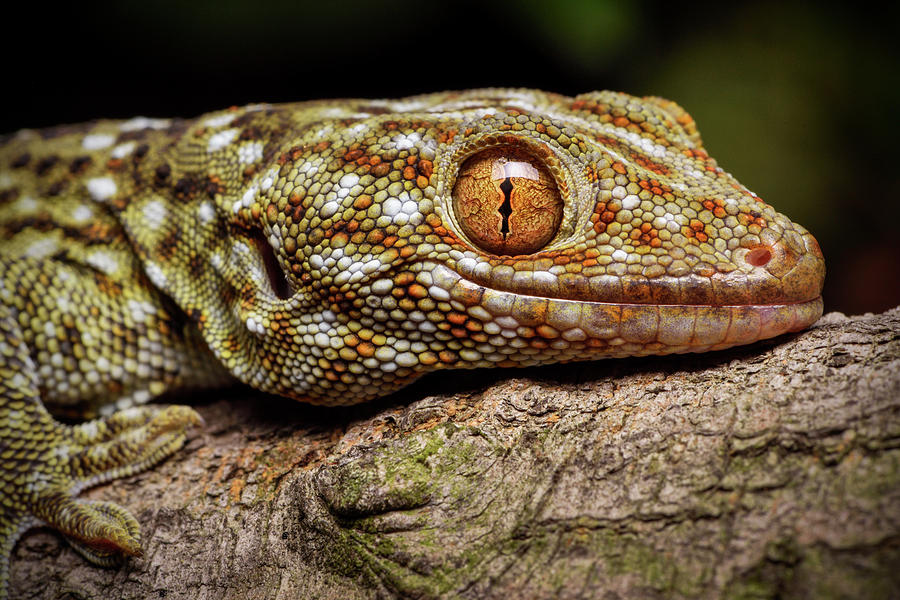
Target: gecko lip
586,329
695,328
626,329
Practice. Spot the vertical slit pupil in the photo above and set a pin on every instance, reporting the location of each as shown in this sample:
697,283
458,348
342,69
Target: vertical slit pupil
505,209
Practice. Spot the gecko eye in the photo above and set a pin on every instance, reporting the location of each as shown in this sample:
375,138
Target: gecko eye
506,201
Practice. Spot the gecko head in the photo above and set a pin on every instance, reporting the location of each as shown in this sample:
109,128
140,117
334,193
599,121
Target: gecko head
610,198
610,223
514,227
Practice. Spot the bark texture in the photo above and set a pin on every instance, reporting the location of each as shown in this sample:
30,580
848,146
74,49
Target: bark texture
766,471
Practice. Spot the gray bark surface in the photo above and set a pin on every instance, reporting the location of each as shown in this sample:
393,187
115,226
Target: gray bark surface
771,470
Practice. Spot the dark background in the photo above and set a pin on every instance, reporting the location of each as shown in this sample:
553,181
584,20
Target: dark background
800,101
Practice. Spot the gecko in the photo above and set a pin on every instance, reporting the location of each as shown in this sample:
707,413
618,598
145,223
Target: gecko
334,251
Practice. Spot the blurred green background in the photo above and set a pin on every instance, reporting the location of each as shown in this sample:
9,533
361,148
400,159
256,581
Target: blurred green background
800,101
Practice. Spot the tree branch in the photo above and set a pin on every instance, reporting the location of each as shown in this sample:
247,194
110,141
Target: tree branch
762,471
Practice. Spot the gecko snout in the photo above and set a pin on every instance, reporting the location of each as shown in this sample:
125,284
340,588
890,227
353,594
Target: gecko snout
792,265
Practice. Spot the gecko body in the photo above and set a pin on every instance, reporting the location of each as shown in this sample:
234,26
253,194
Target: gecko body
334,251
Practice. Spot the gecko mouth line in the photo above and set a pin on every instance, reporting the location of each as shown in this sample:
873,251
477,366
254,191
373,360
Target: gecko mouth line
618,328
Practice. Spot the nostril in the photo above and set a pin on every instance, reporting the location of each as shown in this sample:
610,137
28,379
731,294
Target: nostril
758,257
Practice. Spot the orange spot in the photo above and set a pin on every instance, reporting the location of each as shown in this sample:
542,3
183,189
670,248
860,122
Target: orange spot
418,291
447,136
404,279
353,154
608,141
457,318
651,165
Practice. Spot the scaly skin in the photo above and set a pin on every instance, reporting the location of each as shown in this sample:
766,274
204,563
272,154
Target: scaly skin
334,251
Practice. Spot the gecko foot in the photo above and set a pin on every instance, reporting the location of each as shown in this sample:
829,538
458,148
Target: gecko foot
45,464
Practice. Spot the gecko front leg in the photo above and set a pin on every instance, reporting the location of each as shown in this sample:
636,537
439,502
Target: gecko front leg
46,463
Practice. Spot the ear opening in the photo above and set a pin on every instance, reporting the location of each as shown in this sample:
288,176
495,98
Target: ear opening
278,280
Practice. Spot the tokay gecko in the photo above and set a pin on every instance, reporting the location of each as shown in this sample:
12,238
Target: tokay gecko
334,251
